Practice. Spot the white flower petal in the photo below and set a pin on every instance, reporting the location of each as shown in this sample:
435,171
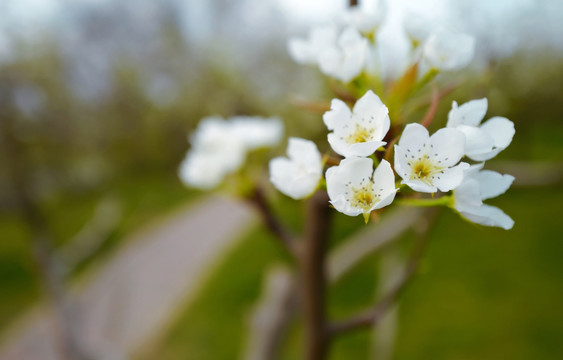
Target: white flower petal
297,176
489,216
300,52
384,183
447,50
363,149
330,63
350,173
256,132
500,129
306,51
362,19
477,141
401,162
448,146
202,171
470,113
369,108
338,114
477,186
473,170
485,156
304,152
288,179
414,137
419,186
354,188
451,177
360,132
467,194
492,183
347,150
346,58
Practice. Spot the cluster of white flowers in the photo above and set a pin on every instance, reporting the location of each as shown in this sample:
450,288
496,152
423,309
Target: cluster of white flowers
219,147
348,47
425,163
361,180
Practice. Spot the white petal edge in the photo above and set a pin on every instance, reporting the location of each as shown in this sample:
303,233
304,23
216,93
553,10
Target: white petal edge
470,113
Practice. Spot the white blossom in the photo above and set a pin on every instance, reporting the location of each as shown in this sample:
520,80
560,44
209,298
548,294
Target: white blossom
479,185
358,132
345,59
448,50
339,53
354,188
297,175
363,19
219,147
417,26
215,140
204,171
484,141
428,164
306,51
257,132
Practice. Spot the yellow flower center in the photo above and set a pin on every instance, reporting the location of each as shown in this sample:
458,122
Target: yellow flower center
360,135
364,197
425,171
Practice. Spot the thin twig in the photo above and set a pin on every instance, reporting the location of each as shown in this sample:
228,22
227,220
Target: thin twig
316,106
390,146
373,316
258,199
433,107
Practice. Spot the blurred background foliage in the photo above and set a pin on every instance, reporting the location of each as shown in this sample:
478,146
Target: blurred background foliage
95,114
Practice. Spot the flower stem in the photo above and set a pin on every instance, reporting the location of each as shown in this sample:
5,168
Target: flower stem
426,78
441,201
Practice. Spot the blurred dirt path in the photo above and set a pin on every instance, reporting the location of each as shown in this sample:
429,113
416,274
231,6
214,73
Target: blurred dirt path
127,300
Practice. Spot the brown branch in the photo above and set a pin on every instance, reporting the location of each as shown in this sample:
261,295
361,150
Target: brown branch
258,200
374,316
314,278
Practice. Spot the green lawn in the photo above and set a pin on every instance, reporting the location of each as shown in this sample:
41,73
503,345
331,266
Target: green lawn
484,293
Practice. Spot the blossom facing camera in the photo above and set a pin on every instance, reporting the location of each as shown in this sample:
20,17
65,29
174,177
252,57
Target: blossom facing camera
354,188
485,141
358,132
448,50
479,185
428,163
297,175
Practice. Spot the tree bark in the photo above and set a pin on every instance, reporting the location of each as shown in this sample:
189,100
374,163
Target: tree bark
314,277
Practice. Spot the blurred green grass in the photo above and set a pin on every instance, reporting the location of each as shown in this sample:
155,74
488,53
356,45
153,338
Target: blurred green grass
482,293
